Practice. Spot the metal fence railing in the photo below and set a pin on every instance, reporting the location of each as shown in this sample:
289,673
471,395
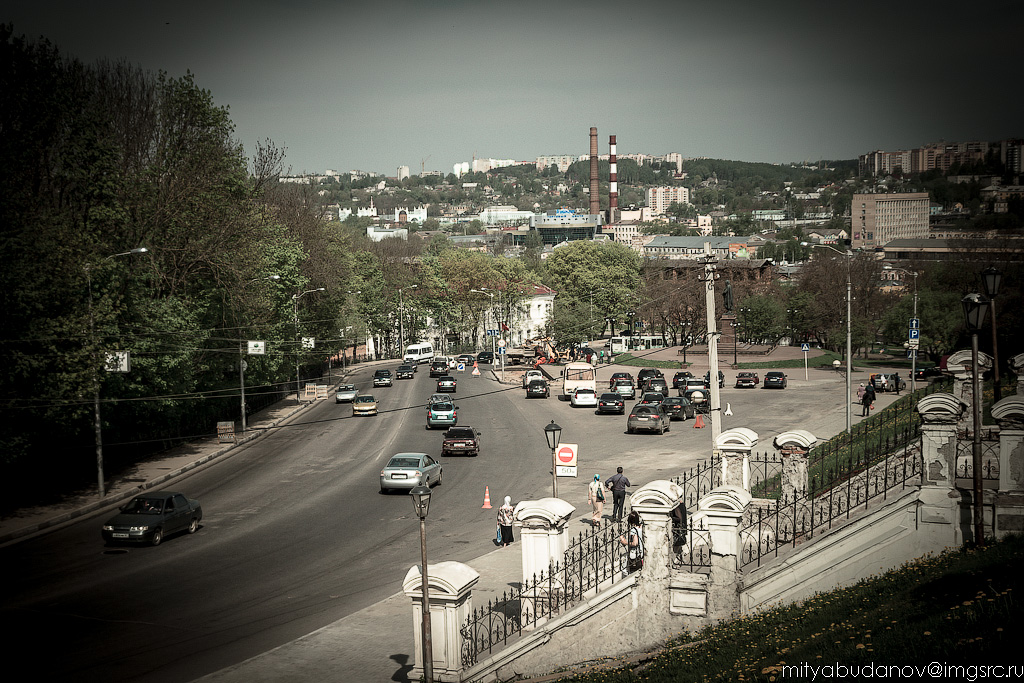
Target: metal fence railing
594,559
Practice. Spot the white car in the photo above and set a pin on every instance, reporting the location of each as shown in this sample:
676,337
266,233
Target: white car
346,393
531,375
583,397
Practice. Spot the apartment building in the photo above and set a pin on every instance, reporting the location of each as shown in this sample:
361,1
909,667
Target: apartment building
658,198
877,219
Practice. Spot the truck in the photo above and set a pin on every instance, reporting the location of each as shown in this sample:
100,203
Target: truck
464,440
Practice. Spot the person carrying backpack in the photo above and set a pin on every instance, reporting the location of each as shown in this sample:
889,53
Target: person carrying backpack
634,542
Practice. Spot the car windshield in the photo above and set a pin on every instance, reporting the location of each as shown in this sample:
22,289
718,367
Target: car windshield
404,462
365,399
461,433
144,506
347,387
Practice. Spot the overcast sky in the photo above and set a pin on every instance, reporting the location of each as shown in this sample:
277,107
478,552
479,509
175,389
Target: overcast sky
375,85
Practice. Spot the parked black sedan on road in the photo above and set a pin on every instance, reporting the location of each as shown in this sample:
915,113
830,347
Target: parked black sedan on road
774,380
678,408
151,517
538,388
611,402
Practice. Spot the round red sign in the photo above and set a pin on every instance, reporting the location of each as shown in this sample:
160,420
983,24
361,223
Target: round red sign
565,455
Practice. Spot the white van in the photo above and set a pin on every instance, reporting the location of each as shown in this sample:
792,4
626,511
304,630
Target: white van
418,353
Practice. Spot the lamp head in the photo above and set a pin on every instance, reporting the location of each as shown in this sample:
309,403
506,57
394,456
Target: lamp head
553,433
420,500
975,310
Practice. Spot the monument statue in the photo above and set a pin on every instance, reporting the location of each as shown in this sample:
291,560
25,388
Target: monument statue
727,297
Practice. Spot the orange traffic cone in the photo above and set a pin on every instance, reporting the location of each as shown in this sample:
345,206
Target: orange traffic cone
698,423
487,498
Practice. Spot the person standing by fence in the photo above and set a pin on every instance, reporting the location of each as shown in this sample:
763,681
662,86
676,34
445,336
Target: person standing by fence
618,483
595,495
868,400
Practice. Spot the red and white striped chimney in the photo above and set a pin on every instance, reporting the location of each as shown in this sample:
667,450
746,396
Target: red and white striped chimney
595,201
613,190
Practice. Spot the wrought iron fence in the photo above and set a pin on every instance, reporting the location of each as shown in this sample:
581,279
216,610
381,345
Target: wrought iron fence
691,547
699,480
595,558
989,460
769,526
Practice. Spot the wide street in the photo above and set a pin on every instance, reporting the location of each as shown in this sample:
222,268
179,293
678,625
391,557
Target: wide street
296,535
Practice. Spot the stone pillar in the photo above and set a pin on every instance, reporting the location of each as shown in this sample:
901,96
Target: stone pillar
1009,413
794,446
543,538
450,587
960,364
721,513
727,342
734,445
1017,365
939,514
654,502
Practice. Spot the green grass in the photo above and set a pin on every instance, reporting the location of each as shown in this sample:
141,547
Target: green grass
958,608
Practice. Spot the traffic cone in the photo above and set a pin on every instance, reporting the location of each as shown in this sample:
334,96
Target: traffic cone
699,422
487,498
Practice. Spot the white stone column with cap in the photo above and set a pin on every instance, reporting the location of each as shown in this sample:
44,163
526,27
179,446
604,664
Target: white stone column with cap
1009,413
735,445
1017,365
654,502
451,603
794,446
721,513
544,539
959,363
939,513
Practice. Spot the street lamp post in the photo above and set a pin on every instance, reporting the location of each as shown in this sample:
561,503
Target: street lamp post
912,349
298,341
242,365
401,318
991,278
553,433
421,504
975,308
97,421
849,330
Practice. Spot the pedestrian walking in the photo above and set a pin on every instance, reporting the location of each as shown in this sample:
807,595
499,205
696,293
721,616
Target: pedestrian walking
618,483
595,495
868,400
633,539
897,381
505,515
860,392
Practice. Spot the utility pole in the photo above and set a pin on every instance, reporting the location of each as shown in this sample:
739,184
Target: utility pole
709,296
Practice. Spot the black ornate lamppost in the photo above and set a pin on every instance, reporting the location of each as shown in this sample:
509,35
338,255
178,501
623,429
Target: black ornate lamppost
975,309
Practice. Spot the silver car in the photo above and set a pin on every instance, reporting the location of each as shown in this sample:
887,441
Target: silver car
648,418
406,471
346,393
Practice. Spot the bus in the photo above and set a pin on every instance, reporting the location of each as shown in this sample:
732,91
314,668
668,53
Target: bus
638,342
576,376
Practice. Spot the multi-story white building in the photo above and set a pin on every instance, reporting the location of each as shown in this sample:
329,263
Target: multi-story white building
658,198
562,161
403,172
877,219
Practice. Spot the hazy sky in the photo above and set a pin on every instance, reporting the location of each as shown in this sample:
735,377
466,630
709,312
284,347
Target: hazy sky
375,85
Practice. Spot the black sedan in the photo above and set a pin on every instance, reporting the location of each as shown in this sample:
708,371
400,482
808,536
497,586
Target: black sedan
678,408
405,372
679,379
151,517
538,388
774,380
611,403
446,384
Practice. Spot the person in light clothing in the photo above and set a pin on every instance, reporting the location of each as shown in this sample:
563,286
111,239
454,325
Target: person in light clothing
595,495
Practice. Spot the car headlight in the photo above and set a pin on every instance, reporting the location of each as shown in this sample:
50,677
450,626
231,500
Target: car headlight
138,528
107,527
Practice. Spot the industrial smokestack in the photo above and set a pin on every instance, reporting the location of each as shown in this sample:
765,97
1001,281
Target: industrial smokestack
595,201
613,190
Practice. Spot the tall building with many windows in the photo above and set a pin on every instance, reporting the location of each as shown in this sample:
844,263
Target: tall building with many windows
877,219
658,198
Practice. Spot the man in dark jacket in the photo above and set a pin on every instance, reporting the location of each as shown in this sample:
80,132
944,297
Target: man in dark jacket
869,398
618,483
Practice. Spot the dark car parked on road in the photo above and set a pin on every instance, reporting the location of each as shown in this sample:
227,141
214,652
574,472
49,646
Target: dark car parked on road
648,372
485,357
611,403
648,418
679,379
774,380
746,380
538,388
678,408
151,517
655,384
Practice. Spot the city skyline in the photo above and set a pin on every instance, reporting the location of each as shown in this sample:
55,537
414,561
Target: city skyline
347,86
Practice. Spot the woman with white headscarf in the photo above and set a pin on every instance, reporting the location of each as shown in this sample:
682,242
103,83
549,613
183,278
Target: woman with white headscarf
595,495
505,515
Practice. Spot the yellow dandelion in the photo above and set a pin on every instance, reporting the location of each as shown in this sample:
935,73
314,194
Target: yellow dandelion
927,633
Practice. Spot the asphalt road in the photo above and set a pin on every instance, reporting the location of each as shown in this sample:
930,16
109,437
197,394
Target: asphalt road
296,534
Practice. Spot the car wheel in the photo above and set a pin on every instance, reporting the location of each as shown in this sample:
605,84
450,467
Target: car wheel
193,525
629,430
158,536
440,474
668,427
661,430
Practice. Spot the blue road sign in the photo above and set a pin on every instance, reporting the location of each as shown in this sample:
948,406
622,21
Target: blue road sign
805,347
915,323
911,353
914,334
